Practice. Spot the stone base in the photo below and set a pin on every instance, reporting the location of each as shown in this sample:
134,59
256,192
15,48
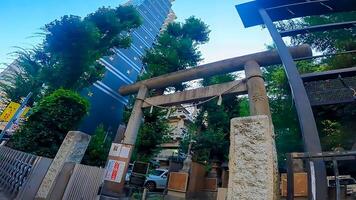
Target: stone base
173,195
222,193
251,159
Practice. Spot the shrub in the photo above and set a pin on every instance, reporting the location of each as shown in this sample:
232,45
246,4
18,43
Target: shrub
98,148
48,124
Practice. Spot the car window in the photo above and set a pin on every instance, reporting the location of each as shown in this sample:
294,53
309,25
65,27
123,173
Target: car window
342,182
347,181
157,172
332,183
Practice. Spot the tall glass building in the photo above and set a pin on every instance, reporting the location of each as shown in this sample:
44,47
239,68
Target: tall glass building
122,68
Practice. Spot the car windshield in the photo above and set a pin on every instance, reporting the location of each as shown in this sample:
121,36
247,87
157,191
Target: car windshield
157,172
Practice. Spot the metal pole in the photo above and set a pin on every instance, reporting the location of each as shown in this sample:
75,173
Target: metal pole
317,188
144,194
337,181
16,115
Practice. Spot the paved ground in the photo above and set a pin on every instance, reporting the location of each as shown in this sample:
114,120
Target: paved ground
3,197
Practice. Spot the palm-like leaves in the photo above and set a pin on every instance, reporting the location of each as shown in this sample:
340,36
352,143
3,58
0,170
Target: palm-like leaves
24,75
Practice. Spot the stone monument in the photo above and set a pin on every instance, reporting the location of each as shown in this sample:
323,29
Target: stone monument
71,150
251,159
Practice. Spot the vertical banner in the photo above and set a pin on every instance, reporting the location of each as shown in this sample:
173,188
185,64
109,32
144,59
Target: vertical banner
115,171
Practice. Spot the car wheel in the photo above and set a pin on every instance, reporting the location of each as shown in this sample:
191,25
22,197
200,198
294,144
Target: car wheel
151,186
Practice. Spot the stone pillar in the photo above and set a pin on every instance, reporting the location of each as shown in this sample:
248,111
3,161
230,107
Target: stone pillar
251,159
256,89
129,140
72,149
136,117
110,188
258,102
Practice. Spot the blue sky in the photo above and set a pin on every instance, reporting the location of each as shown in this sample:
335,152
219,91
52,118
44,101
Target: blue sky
21,19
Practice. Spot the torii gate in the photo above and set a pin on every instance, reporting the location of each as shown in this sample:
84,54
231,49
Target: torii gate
253,85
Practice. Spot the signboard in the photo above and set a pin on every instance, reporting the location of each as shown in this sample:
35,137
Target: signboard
330,91
140,168
118,150
138,174
137,180
9,111
114,171
24,113
119,155
178,181
115,149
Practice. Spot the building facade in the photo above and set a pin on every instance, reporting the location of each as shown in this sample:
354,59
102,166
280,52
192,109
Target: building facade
123,68
9,71
179,122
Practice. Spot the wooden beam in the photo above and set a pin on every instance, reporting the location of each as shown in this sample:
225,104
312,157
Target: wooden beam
265,58
200,94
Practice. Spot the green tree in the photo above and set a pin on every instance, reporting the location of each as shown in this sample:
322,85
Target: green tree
49,122
26,78
76,44
68,56
152,133
98,148
213,124
335,128
67,59
332,129
176,49
326,41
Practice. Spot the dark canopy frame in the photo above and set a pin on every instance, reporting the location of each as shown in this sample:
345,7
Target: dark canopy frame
266,12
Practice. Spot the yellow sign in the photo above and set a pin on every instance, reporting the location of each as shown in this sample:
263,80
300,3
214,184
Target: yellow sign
23,115
9,112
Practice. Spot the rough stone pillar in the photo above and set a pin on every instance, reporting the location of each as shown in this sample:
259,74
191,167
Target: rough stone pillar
251,159
72,150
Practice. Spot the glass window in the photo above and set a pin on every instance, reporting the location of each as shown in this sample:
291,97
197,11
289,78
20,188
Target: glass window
157,172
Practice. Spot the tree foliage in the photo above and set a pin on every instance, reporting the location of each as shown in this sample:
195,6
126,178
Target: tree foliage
25,77
98,149
333,121
67,59
152,133
176,48
76,44
68,56
326,41
49,122
213,124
